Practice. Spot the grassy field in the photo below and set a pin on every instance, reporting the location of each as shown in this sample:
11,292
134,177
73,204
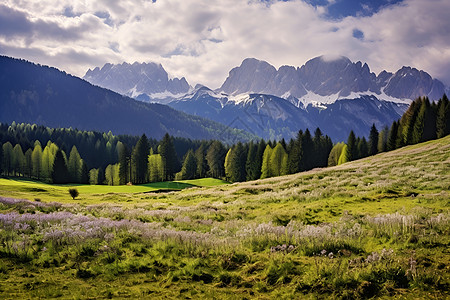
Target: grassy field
89,194
377,227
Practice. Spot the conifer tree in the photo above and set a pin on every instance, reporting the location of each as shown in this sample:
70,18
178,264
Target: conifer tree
189,169
278,161
215,157
383,139
373,141
36,158
155,167
363,148
201,163
140,160
265,167
59,172
295,154
18,160
306,160
252,169
351,147
259,157
236,163
8,158
169,157
74,165
28,163
84,173
408,120
123,154
443,117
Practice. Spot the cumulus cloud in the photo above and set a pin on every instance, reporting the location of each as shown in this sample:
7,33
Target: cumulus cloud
203,39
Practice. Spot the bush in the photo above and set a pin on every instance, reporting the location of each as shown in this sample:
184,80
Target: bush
73,193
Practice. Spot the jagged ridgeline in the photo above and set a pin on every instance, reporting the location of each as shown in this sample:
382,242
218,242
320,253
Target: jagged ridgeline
31,151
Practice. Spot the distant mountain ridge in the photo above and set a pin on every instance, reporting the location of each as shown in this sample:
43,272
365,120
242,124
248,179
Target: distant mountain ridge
325,80
43,95
144,81
332,93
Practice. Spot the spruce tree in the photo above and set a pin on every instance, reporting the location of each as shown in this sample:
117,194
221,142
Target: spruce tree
123,154
295,154
84,173
373,141
351,147
201,163
443,117
74,165
278,161
169,157
307,145
140,160
36,158
59,172
189,169
251,166
7,158
363,148
383,139
28,163
215,157
265,166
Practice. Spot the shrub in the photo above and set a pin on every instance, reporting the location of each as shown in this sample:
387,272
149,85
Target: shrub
73,193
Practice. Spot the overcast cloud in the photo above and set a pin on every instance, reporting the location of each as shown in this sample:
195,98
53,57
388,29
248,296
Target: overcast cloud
203,39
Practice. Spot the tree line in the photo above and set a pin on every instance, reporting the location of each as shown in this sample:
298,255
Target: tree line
118,160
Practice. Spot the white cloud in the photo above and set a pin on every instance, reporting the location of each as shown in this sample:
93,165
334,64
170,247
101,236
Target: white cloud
203,39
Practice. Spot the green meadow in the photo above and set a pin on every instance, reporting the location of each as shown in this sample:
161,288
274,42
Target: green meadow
373,228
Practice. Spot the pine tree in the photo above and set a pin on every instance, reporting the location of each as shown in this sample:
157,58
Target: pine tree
383,139
306,160
123,154
363,148
215,157
259,157
265,167
252,169
18,160
59,172
169,157
189,169
408,120
36,158
140,160
8,158
373,141
236,163
278,161
443,117
201,163
74,165
84,174
28,163
295,154
351,147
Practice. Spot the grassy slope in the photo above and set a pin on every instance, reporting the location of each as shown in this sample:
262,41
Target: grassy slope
227,231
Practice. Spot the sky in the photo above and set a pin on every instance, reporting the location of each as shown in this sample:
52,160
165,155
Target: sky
203,39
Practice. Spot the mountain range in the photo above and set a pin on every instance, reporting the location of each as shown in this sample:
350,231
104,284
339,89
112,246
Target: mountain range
145,82
332,93
32,93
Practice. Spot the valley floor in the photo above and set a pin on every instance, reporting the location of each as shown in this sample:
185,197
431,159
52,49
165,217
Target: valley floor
377,227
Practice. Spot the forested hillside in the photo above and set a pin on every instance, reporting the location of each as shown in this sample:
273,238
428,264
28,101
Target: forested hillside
43,95
91,157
